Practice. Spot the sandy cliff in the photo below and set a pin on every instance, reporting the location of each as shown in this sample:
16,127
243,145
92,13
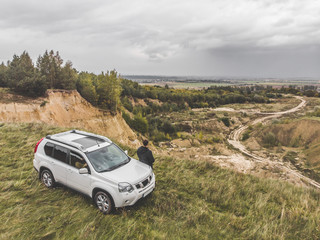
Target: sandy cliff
69,109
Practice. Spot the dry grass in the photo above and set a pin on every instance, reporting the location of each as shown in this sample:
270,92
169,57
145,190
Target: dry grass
192,200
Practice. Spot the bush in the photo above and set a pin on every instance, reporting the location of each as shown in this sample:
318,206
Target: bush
140,124
216,139
226,121
269,140
86,87
127,104
158,136
168,127
246,135
43,103
200,136
127,118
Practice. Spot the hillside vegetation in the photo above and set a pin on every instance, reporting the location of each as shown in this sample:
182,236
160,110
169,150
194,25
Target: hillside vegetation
110,92
297,140
192,200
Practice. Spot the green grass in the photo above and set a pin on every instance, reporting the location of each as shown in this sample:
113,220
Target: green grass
192,200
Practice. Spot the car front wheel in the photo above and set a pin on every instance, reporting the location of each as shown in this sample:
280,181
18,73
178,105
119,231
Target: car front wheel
47,178
103,202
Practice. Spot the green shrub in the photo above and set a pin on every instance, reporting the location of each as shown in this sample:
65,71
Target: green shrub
216,139
158,136
269,140
246,135
226,121
140,124
127,104
127,118
43,103
168,127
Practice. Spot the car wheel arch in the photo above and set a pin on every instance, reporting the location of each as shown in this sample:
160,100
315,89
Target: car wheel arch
42,169
49,174
97,189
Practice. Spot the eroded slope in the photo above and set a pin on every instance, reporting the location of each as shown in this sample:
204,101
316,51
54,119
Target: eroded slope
68,109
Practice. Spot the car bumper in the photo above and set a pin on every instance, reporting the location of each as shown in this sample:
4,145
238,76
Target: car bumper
35,165
129,199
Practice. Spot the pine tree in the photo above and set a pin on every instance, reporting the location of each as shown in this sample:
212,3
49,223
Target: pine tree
50,66
3,75
68,76
24,78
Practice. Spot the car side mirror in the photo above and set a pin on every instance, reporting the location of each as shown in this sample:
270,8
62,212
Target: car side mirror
126,152
83,171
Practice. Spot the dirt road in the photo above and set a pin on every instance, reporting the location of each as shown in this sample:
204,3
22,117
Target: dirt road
234,140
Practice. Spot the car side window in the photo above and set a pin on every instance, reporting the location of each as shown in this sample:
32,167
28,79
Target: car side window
60,153
48,148
77,160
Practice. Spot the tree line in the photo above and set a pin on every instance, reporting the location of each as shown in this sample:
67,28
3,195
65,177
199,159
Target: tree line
109,91
24,77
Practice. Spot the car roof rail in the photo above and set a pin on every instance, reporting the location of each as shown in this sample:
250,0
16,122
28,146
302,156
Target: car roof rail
71,144
103,138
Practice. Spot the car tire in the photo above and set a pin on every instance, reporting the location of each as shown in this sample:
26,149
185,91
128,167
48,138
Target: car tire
103,202
47,178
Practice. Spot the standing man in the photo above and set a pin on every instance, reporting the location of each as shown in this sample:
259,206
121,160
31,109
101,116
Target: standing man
145,154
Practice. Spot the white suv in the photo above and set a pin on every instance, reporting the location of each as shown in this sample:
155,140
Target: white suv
93,165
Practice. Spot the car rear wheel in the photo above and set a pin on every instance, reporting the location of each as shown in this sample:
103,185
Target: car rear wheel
103,202
47,178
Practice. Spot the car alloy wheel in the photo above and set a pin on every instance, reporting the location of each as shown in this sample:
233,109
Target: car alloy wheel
47,178
103,202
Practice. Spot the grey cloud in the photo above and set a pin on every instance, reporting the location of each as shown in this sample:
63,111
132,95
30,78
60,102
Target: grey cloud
154,33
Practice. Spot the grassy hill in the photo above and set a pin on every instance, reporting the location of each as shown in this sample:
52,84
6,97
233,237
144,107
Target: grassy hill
192,200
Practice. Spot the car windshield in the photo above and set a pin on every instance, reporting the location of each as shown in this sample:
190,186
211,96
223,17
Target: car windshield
107,158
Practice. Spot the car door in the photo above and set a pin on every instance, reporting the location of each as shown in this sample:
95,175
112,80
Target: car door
77,181
59,163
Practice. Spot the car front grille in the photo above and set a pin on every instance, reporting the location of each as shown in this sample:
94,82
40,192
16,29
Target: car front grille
144,183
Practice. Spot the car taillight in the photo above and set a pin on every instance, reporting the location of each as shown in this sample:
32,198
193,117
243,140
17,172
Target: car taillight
36,148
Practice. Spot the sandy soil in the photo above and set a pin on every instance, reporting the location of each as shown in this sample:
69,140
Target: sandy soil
285,170
69,109
241,158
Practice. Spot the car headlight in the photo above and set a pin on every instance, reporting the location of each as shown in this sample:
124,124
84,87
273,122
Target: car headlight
125,187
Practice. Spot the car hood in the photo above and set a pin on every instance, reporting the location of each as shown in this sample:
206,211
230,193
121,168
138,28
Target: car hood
133,172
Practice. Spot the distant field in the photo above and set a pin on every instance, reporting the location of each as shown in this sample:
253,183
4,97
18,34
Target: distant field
198,85
194,85
192,200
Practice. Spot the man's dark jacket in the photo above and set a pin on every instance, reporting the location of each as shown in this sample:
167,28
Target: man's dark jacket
145,155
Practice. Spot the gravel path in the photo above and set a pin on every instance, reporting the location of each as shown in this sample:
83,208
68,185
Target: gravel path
235,136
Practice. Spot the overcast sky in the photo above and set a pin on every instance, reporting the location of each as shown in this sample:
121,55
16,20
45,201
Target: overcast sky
254,38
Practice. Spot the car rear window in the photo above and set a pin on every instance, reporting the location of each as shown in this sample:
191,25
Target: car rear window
60,153
48,148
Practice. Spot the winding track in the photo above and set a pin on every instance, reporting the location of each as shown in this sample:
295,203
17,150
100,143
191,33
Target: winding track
234,140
